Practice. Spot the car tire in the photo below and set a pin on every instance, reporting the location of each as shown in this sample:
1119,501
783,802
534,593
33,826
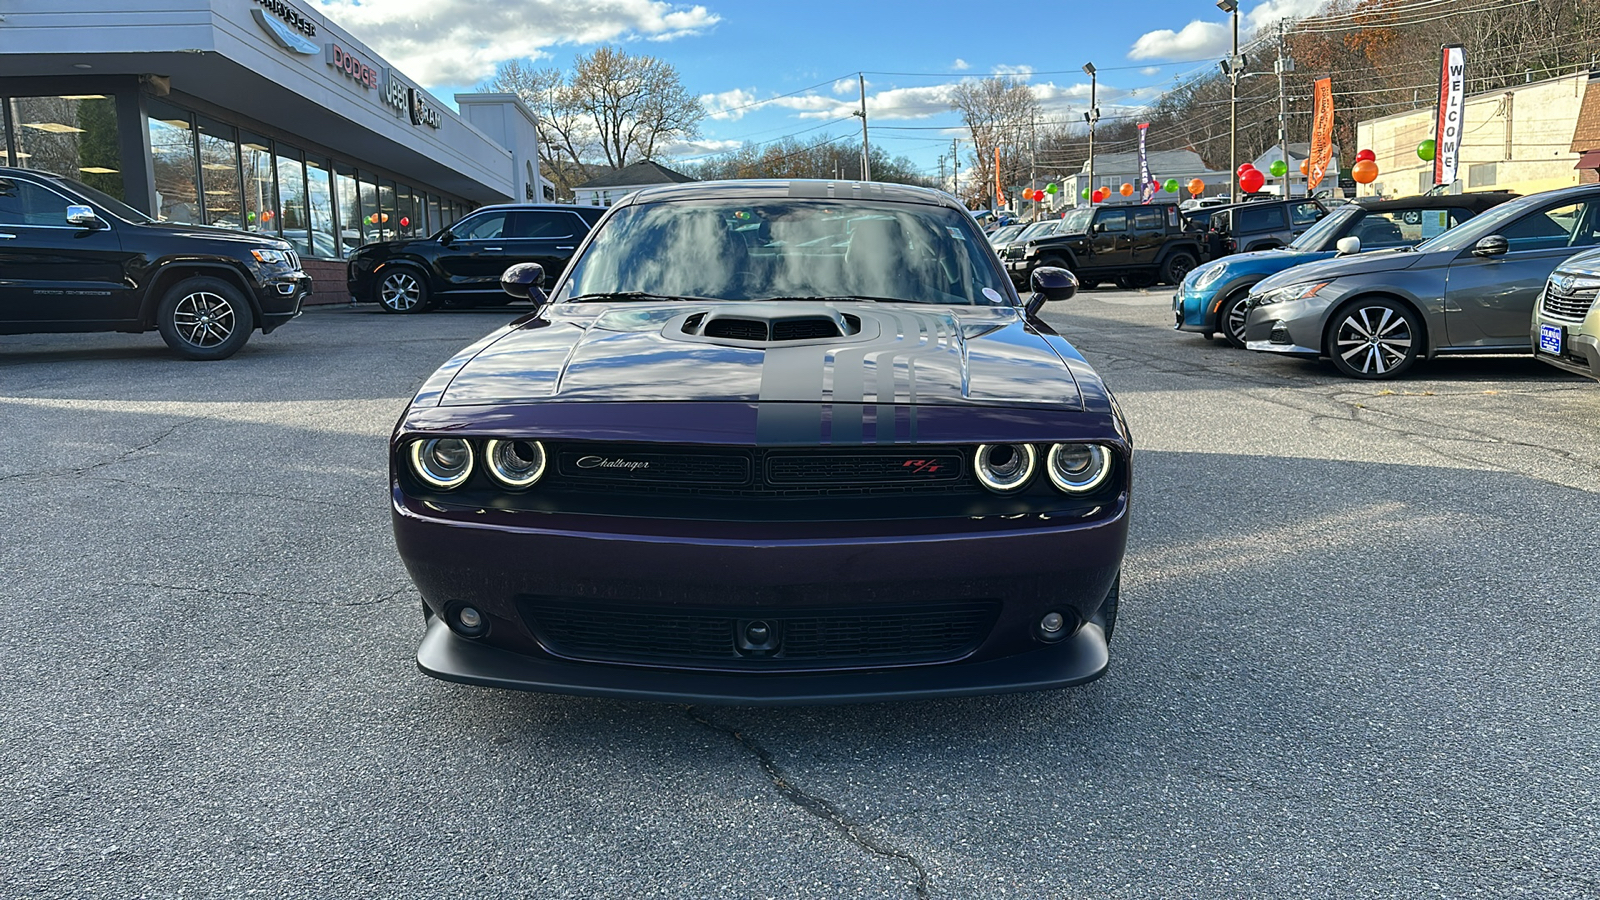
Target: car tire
1231,317
402,290
1374,338
1088,284
205,318
1178,267
1134,281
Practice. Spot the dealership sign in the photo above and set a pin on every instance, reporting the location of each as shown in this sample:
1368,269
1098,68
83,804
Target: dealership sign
401,98
289,29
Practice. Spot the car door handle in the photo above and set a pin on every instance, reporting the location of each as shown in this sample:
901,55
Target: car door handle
7,237
491,249
574,247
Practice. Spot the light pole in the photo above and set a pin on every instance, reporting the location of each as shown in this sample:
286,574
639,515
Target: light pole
1092,116
1231,69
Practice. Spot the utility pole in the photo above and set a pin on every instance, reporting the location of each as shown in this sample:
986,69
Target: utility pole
1285,65
866,149
955,160
1033,153
1231,69
1092,116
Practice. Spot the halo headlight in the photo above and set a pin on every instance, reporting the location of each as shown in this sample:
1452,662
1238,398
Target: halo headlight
1004,468
444,463
515,464
1078,468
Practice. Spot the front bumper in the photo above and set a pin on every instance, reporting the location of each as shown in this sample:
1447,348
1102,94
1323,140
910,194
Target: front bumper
281,297
1293,327
1076,660
1580,345
775,572
1192,311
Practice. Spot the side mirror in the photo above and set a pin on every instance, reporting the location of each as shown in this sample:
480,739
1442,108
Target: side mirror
1049,284
84,217
1098,228
524,281
1348,245
1493,245
446,237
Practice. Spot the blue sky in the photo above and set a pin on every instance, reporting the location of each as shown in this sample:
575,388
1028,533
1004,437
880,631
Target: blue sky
742,57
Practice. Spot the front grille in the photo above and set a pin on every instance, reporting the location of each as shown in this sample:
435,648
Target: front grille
760,472
607,631
1573,305
294,259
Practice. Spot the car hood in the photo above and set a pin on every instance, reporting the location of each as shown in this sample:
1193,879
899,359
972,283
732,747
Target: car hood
218,234
1343,266
632,352
1258,262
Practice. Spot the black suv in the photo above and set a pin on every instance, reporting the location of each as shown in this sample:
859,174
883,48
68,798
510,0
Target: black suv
1132,245
1260,224
73,258
461,265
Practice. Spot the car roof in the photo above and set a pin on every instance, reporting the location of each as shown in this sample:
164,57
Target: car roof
570,207
798,188
1477,201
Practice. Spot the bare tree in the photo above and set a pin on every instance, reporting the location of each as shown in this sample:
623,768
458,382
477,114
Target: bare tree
998,111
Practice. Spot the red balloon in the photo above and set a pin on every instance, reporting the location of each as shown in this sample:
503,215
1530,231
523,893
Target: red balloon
1098,196
1366,156
1243,168
1252,181
405,221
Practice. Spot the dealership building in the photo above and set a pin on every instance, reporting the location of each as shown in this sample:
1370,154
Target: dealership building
258,115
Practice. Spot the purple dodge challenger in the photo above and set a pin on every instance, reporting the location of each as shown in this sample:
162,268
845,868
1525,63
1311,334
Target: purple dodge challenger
768,442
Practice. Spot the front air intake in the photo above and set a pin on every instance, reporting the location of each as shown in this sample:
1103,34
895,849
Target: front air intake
804,329
772,322
736,329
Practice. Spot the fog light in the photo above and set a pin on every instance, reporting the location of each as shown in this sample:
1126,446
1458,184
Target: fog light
468,622
1052,623
1056,626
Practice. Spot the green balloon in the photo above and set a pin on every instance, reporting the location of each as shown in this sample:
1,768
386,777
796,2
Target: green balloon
1171,186
1427,149
1278,168
1050,188
1084,193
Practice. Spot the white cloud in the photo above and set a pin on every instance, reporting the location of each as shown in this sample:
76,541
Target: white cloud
1200,39
459,42
728,105
1150,70
894,103
1021,73
960,65
691,149
847,86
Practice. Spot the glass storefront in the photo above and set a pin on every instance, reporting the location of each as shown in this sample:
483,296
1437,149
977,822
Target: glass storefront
206,171
74,135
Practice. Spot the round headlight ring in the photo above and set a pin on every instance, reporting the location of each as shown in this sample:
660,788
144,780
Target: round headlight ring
1078,468
515,463
1005,468
443,463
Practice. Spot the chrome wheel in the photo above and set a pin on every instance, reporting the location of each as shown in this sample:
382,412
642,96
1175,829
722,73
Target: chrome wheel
1233,319
1376,341
204,319
400,292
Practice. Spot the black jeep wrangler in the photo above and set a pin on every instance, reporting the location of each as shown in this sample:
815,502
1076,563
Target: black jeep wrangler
1135,246
75,259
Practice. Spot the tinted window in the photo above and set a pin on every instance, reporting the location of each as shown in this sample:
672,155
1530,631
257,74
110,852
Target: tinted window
1147,220
22,203
1259,218
1112,220
485,227
767,249
1569,225
1305,213
546,225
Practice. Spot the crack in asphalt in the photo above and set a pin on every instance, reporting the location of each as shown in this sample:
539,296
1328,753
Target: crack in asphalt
817,806
56,473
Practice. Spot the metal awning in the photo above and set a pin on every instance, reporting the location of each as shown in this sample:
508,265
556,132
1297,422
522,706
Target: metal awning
1589,160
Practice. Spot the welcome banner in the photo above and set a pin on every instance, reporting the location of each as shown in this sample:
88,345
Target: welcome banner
1321,133
1451,114
1147,187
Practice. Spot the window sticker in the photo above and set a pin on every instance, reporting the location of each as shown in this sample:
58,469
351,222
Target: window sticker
956,233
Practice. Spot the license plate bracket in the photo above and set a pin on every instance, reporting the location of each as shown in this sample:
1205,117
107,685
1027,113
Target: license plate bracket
1551,339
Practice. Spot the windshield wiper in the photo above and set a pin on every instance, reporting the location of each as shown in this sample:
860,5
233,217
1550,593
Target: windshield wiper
849,299
612,296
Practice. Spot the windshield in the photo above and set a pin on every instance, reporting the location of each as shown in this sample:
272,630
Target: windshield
1076,221
111,204
1317,236
1003,234
1036,230
1468,234
787,249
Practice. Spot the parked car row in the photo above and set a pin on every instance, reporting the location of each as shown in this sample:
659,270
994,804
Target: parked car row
1485,273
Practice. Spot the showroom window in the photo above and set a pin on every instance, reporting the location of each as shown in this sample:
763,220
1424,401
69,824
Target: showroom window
319,208
369,209
388,221
174,165
404,213
219,174
73,135
292,199
260,184
347,204
434,222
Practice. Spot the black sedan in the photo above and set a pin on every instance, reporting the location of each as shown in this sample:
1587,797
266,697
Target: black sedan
770,442
461,265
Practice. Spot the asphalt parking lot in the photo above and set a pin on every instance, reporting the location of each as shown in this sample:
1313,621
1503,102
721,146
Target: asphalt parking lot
1356,657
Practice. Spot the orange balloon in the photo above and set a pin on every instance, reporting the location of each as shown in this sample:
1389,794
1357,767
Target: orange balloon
1364,172
1305,168
1197,187
1127,189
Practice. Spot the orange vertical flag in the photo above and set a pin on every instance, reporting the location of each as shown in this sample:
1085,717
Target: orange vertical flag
1321,133
999,192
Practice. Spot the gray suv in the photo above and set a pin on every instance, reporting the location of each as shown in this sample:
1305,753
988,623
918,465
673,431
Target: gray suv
1469,290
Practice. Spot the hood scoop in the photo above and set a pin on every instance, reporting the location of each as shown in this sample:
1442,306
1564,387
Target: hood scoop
773,323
